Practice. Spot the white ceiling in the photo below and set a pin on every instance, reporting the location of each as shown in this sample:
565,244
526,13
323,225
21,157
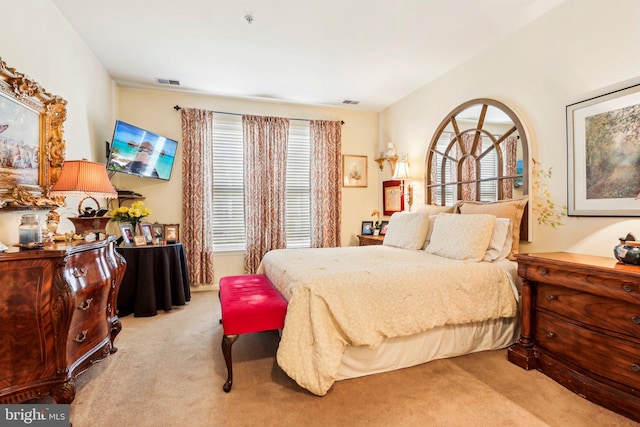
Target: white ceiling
317,52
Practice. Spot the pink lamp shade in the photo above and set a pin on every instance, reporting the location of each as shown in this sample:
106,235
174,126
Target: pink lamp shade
82,178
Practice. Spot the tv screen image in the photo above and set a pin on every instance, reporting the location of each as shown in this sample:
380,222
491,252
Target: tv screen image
139,152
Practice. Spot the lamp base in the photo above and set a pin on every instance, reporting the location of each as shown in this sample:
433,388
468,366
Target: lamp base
94,224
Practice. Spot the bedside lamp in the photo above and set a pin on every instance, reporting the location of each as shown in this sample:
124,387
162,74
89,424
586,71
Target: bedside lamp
82,178
402,173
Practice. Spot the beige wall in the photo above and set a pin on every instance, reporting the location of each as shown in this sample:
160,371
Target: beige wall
38,41
582,49
153,110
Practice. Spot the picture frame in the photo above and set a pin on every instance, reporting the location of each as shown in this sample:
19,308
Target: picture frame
31,127
603,142
139,240
383,227
158,231
146,231
354,171
126,232
172,233
392,200
367,228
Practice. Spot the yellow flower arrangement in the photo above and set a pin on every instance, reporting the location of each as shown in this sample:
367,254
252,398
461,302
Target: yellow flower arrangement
133,214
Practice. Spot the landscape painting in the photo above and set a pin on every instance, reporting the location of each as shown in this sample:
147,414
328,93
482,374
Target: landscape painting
604,155
19,143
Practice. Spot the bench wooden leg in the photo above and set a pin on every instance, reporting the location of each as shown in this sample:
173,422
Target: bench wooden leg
227,342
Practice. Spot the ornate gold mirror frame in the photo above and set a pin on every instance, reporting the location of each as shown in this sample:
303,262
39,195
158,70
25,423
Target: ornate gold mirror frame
31,142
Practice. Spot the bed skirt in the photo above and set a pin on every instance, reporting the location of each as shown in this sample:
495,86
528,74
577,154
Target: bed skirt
438,343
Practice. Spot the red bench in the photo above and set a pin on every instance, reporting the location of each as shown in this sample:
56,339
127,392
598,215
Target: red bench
250,303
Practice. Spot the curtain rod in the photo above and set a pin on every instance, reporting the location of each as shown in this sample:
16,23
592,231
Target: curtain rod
178,108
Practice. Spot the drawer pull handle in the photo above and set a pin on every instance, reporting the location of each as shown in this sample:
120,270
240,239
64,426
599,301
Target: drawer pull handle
79,272
85,304
81,336
635,368
636,320
544,271
627,288
550,335
550,297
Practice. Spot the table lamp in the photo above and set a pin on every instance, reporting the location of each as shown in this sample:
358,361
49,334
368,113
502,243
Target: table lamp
89,180
402,173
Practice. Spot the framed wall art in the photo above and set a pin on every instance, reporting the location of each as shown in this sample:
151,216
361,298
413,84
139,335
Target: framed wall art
354,171
603,138
31,142
392,199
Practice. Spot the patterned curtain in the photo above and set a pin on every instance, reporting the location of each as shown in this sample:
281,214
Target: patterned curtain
468,165
197,190
510,160
326,194
265,156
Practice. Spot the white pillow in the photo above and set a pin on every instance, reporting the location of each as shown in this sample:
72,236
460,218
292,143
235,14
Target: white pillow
407,230
432,220
501,240
463,237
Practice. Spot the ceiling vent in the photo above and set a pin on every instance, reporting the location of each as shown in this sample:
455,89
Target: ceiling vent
350,102
168,82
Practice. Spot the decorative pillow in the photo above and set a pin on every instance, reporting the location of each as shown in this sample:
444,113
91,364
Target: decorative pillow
512,209
463,237
432,220
407,230
431,209
501,240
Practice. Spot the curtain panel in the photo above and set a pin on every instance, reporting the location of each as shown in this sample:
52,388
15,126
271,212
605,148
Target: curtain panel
325,186
510,165
197,190
265,156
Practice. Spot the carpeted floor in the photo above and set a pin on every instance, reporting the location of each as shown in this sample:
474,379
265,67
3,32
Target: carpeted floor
169,371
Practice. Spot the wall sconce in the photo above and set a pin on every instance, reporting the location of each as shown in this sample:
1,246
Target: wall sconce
390,156
402,173
82,178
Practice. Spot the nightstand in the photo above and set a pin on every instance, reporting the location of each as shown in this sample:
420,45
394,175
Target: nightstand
367,240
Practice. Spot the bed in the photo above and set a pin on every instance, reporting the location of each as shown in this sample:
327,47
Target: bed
443,284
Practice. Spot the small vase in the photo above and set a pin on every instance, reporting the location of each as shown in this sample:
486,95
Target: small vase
628,252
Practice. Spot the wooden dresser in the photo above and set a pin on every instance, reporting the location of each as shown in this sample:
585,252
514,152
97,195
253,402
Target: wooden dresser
581,326
57,316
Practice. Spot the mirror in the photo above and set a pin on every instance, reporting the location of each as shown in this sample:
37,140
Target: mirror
479,152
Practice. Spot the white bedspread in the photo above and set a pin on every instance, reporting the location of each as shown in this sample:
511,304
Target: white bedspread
360,295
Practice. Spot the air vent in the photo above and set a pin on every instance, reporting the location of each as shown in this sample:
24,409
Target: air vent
168,82
350,102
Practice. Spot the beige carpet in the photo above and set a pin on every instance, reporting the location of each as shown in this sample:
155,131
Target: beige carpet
169,371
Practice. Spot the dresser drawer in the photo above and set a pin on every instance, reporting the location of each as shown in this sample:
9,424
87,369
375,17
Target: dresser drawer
609,357
88,324
86,270
603,313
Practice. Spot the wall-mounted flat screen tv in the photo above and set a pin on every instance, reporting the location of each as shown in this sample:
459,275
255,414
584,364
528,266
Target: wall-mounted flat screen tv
139,152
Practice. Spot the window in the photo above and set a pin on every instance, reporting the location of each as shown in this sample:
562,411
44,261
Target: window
298,204
228,188
488,171
228,196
